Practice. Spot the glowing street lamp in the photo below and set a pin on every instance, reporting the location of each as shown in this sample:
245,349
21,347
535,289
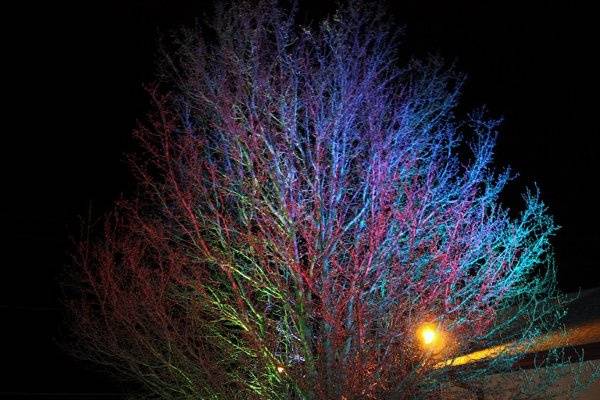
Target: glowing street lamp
430,337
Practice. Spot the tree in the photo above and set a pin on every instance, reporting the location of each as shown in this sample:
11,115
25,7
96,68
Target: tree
306,209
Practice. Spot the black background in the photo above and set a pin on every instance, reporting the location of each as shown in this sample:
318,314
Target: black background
73,90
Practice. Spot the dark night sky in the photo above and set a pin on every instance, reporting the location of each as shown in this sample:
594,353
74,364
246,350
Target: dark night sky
75,90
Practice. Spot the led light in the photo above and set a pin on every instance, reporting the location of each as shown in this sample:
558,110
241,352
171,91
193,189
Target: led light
280,369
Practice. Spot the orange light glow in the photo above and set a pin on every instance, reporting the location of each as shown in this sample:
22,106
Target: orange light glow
280,369
429,336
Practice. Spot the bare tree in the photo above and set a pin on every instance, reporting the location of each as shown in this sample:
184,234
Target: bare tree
311,223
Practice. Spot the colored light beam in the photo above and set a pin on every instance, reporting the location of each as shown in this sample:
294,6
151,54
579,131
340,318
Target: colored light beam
577,335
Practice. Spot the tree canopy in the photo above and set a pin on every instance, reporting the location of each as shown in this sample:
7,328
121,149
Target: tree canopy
313,221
